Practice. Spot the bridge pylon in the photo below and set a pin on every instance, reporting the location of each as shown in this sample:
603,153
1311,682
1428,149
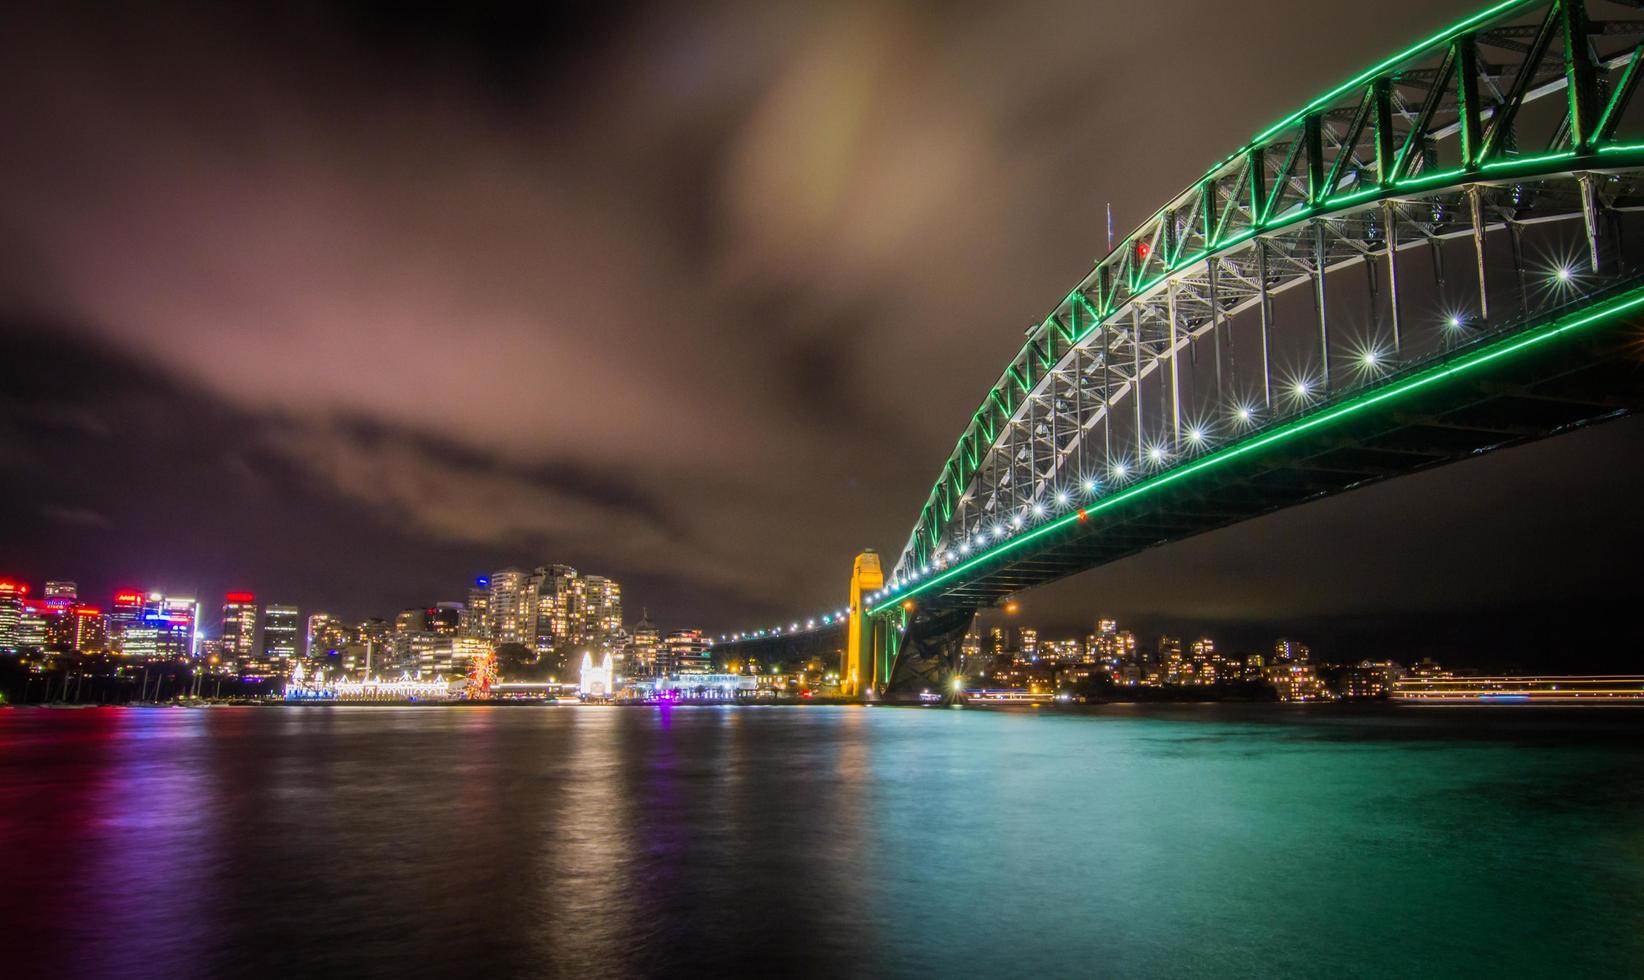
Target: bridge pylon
859,675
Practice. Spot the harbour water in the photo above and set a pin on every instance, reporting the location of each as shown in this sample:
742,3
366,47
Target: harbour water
1120,841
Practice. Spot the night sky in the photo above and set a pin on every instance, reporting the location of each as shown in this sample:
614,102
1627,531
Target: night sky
348,303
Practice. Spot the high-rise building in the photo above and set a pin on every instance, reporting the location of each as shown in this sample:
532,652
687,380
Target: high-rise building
1171,662
90,629
686,652
402,652
1146,662
1202,660
61,590
506,619
175,625
971,661
430,654
602,609
239,629
464,651
126,610
1289,651
444,618
326,637
12,595
34,626
58,614
281,637
374,638
476,619
553,608
1027,642
1102,647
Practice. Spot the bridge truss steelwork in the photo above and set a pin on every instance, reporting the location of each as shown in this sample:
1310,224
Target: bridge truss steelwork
1396,237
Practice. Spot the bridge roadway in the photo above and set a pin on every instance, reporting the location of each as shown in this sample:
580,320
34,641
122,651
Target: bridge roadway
1573,370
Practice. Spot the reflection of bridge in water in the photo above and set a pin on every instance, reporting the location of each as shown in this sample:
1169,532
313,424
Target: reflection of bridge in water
1437,258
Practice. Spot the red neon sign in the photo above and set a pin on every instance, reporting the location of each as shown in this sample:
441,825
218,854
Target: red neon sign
239,597
88,611
17,587
128,598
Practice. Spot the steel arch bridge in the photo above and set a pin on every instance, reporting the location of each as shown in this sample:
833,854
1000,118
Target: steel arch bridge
1439,257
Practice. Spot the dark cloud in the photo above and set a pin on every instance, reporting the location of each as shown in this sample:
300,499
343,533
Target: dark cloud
348,302
74,516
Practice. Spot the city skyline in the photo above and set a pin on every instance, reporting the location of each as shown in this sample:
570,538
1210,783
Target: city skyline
727,467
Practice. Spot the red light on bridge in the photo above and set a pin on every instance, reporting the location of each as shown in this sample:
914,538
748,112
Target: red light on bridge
1084,515
1143,250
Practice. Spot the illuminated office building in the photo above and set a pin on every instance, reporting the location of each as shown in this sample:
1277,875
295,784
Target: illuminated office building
686,652
12,595
476,619
239,629
163,627
280,638
33,624
90,629
126,609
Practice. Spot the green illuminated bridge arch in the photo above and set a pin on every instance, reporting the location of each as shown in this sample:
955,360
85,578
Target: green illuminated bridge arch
1438,257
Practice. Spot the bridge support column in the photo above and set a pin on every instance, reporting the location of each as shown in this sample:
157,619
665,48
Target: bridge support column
1320,257
1390,220
1267,322
859,673
1589,218
1476,205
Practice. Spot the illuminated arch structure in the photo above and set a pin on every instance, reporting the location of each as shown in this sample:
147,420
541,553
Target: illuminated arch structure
596,682
1441,256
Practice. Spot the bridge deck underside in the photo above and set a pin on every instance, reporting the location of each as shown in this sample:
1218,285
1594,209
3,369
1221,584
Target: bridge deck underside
1587,380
